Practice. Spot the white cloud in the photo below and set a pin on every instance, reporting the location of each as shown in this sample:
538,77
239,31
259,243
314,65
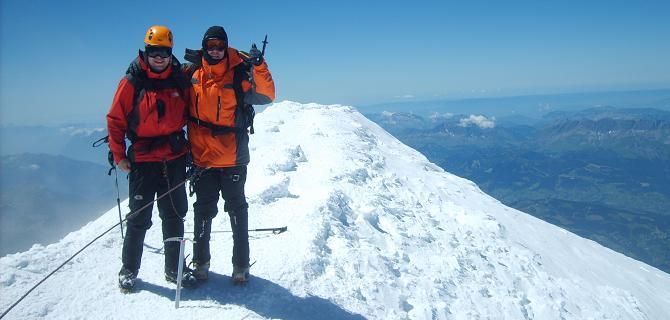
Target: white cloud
405,96
480,121
73,131
437,116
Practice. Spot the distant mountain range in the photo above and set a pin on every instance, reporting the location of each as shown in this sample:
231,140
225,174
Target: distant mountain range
73,141
52,182
603,173
44,197
531,107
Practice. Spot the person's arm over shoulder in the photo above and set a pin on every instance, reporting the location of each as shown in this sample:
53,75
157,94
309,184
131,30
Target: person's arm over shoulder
263,90
117,125
188,69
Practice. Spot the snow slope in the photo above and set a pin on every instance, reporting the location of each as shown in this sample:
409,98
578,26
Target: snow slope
374,231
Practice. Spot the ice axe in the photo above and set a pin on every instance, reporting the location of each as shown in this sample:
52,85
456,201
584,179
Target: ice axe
247,56
180,266
265,43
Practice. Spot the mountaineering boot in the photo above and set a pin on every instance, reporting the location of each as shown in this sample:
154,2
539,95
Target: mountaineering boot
201,270
240,275
127,280
188,280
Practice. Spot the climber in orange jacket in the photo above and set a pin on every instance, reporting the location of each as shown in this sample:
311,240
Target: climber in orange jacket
226,82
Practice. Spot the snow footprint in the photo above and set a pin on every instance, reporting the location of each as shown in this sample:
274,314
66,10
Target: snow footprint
7,280
276,192
274,128
293,156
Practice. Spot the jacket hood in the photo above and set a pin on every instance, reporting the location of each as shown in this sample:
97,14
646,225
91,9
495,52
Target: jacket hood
214,32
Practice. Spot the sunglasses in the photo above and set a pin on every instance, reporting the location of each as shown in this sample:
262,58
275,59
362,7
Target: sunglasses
155,52
216,44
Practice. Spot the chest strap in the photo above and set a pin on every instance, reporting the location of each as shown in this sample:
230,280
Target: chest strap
217,130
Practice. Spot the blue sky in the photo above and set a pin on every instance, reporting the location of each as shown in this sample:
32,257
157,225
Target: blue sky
61,60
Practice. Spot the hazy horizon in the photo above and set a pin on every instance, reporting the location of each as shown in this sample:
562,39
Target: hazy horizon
89,123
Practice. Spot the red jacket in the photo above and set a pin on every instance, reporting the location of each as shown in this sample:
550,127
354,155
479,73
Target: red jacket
152,119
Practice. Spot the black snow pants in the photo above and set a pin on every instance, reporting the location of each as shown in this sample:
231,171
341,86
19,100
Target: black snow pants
148,179
229,182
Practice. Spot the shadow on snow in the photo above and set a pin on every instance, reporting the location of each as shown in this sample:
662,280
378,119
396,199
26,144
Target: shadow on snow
262,296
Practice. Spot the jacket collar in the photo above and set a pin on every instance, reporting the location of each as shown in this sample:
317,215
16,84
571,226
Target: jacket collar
217,71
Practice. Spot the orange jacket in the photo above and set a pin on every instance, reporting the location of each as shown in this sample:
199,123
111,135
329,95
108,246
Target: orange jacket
150,122
214,101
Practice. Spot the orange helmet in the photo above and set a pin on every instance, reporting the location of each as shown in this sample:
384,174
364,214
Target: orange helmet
158,36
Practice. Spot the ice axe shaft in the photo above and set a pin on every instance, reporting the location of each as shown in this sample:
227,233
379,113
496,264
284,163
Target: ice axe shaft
265,43
180,267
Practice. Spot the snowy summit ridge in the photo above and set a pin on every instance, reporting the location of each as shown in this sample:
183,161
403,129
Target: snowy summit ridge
375,231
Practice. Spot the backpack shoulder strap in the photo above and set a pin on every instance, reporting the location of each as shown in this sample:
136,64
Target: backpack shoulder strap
137,79
244,109
181,75
239,76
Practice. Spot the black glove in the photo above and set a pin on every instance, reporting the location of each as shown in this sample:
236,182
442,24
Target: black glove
255,56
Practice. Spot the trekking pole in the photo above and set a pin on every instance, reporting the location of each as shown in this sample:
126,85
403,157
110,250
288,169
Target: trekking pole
110,160
118,199
276,230
180,268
